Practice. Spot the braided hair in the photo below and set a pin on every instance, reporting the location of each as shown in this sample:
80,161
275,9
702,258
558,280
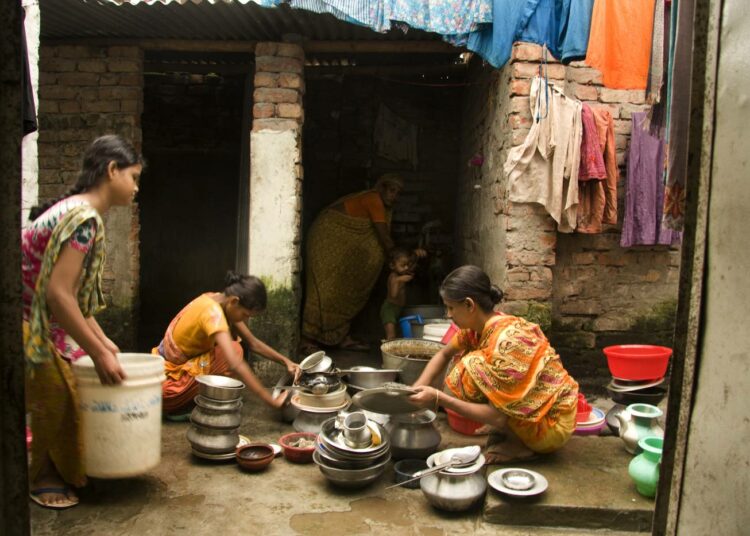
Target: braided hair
96,159
470,281
249,289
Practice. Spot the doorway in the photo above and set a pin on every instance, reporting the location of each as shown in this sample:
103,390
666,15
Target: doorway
189,198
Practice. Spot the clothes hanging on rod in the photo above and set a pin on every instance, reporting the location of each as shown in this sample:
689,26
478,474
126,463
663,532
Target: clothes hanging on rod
597,199
620,42
642,222
544,168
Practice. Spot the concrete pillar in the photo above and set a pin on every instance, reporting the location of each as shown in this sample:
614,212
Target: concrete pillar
276,190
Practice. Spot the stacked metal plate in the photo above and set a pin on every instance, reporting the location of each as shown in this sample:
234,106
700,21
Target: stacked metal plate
350,467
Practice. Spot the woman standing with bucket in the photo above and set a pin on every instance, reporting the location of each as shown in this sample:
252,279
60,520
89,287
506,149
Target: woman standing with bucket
63,260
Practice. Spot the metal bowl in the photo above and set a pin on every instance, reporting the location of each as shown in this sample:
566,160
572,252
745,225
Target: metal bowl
220,387
369,377
328,400
316,362
350,478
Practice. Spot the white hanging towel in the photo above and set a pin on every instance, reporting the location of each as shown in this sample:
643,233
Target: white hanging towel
540,169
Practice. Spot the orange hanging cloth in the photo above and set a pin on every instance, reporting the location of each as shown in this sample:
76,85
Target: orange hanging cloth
620,42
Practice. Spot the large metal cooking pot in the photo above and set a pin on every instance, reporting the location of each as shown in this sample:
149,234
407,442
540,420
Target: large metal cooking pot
413,435
370,377
216,418
219,387
212,440
410,356
454,492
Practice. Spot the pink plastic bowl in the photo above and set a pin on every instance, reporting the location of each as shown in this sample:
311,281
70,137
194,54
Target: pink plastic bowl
637,361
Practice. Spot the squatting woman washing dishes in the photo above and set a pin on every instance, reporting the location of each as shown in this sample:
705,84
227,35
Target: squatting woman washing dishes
504,373
201,339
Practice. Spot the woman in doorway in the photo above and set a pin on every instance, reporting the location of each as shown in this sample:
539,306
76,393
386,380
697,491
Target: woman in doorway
346,247
504,373
63,258
202,339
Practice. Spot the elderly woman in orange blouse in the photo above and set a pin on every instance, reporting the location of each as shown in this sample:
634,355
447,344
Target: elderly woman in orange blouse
503,373
346,247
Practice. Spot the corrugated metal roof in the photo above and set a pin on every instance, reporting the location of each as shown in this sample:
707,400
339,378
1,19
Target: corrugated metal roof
195,19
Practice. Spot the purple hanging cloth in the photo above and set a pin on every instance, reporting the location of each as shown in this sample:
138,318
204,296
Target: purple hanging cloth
645,190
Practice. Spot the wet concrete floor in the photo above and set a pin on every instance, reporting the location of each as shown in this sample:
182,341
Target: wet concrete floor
190,496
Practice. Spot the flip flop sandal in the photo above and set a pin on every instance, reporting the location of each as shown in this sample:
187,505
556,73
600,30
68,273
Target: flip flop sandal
35,495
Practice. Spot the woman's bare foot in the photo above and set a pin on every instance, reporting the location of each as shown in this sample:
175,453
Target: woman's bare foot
485,429
50,490
506,448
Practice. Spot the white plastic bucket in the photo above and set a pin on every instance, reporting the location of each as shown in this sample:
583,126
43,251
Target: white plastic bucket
121,424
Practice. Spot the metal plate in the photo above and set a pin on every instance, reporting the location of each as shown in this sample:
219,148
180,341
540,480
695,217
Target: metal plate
388,400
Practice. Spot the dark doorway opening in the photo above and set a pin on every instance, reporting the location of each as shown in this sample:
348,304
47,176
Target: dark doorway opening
192,140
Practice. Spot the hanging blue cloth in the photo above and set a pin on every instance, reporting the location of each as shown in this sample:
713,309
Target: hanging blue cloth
562,25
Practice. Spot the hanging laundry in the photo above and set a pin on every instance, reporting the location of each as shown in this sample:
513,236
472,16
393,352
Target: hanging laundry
562,25
544,168
645,190
598,198
592,156
620,42
657,94
678,115
395,137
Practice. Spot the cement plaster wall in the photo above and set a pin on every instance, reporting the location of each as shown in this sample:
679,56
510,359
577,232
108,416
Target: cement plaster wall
29,147
715,486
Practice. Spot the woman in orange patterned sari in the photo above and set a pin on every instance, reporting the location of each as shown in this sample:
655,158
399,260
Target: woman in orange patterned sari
503,373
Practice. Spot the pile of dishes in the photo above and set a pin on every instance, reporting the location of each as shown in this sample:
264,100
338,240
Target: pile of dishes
216,418
589,420
638,371
351,450
319,393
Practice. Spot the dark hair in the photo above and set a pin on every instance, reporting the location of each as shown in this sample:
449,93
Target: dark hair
96,159
398,252
471,282
249,289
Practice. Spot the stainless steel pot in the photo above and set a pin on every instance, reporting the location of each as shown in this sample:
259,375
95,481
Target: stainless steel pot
212,440
369,377
410,356
413,435
220,387
454,493
216,418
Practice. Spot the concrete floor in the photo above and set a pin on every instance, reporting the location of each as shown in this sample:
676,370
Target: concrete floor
186,495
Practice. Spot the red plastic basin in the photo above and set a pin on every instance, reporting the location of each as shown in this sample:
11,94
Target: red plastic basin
637,361
461,424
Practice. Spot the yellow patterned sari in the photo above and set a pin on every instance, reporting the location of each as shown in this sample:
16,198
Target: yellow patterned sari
512,366
343,262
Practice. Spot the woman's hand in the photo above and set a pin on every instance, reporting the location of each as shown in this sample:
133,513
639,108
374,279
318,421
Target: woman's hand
108,368
110,345
293,370
420,253
280,400
425,397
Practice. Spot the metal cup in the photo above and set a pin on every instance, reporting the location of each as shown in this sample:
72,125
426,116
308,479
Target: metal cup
355,430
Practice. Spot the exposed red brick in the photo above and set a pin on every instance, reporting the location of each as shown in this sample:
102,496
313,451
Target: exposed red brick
266,49
291,111
263,110
290,50
123,66
520,87
266,80
272,64
586,93
276,95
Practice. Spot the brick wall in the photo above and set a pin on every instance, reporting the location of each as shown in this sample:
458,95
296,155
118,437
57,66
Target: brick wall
85,92
585,290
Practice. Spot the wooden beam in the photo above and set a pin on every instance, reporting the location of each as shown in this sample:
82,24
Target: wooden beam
406,71
248,47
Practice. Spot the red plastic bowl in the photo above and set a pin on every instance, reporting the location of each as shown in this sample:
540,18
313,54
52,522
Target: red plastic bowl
461,424
297,454
637,361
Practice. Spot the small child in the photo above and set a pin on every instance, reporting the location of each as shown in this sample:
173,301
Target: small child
402,266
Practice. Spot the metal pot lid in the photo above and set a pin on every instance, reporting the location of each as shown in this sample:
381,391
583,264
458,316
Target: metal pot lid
445,455
388,400
295,401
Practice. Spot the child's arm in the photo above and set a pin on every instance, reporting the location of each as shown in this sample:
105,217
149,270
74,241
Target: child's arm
396,283
259,347
63,304
239,366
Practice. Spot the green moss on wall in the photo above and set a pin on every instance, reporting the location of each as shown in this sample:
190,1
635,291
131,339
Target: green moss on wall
661,318
539,313
278,325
